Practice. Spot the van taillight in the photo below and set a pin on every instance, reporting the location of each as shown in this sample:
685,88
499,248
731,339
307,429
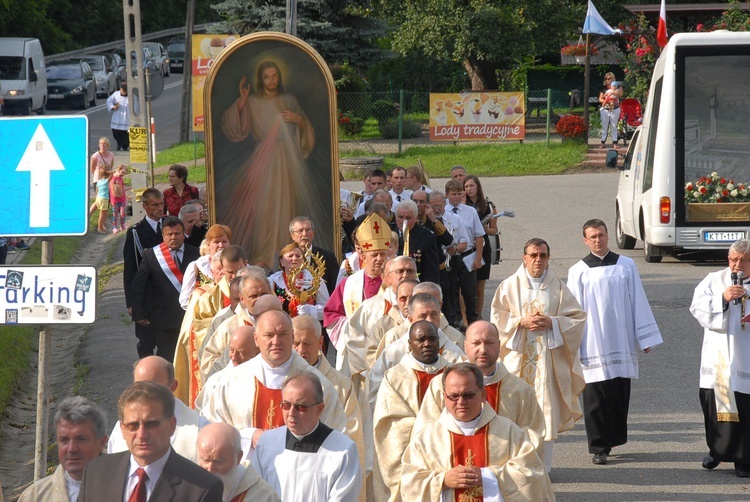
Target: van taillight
665,208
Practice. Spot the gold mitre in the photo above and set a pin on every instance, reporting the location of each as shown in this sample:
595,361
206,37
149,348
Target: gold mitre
374,234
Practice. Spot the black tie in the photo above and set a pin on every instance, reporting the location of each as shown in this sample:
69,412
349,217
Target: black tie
176,257
455,210
158,228
398,198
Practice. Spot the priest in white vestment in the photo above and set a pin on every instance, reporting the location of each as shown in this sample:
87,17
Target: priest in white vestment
403,291
422,307
619,324
158,370
248,398
469,452
719,302
305,460
253,285
399,398
541,326
507,395
220,453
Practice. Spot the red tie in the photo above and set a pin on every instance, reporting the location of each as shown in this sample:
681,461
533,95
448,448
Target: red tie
139,492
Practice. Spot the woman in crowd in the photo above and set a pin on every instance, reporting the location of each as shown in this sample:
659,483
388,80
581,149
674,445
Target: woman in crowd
609,99
199,272
179,191
102,157
475,198
306,302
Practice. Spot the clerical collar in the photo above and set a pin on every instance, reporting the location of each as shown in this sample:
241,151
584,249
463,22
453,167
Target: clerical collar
469,427
427,368
73,486
609,259
536,282
309,443
487,378
275,376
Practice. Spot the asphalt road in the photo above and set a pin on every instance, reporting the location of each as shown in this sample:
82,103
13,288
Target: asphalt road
662,459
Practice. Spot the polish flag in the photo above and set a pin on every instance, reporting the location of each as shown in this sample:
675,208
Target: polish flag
661,31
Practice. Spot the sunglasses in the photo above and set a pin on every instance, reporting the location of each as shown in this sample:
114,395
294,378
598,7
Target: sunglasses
466,395
148,425
286,406
534,256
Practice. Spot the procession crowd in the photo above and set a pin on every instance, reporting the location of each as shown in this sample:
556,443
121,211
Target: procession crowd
376,379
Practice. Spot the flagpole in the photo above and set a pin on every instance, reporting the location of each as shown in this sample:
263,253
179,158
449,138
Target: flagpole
586,80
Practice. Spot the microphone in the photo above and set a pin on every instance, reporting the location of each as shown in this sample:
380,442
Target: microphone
737,280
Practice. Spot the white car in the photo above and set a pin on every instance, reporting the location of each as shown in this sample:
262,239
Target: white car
104,74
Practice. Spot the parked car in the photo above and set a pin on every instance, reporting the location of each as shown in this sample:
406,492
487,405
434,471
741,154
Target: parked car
106,80
160,55
120,69
23,85
176,50
148,61
70,83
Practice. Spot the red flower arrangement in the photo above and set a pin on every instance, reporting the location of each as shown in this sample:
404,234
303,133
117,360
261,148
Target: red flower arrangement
571,126
578,50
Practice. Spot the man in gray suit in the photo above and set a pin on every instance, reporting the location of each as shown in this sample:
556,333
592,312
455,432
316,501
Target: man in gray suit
150,470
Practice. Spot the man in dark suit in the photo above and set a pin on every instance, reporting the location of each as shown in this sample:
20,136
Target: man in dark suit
143,235
155,292
150,470
422,243
302,231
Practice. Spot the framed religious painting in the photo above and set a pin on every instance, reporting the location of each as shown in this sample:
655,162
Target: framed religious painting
271,144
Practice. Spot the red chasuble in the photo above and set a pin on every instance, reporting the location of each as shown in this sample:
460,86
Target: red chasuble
266,410
225,300
493,395
470,451
423,381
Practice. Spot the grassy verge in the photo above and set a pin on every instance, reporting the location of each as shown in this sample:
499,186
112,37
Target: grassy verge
489,160
185,154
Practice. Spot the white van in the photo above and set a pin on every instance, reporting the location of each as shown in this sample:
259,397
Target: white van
23,79
685,180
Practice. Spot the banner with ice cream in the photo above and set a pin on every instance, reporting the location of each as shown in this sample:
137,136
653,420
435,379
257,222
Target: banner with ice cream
204,51
477,116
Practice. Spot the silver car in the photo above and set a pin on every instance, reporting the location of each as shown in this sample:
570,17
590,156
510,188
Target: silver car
160,56
106,79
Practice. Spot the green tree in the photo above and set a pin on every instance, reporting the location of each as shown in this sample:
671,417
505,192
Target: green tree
482,35
340,30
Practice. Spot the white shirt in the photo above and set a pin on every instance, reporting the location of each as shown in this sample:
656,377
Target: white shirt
471,220
153,471
455,226
153,223
73,486
404,195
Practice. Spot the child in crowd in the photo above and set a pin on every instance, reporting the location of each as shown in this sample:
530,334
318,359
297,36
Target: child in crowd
102,198
118,199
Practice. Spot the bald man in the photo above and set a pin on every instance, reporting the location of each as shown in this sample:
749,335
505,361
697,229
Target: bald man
158,370
242,348
220,453
253,286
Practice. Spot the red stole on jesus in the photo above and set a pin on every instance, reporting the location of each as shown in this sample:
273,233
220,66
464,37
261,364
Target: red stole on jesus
470,451
423,381
266,410
493,395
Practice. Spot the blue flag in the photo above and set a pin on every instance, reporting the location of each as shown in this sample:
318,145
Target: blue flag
595,23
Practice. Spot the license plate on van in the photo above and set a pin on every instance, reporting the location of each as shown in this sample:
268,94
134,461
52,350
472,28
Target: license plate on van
723,236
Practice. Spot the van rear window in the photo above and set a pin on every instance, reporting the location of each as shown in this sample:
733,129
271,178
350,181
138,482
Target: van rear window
12,68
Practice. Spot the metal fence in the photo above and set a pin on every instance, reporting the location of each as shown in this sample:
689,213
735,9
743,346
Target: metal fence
385,122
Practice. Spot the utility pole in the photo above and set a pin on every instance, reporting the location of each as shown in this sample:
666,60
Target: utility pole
187,74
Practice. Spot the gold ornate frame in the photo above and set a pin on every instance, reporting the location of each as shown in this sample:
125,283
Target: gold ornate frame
285,41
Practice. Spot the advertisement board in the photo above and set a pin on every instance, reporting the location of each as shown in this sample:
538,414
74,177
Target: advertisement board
477,116
204,51
47,294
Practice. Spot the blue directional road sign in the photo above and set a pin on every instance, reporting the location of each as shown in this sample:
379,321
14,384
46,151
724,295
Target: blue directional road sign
44,176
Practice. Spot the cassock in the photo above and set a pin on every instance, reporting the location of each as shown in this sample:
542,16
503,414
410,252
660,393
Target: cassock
214,347
398,402
509,463
198,316
52,488
346,298
322,466
183,440
725,369
547,360
244,484
248,398
509,397
619,323
393,354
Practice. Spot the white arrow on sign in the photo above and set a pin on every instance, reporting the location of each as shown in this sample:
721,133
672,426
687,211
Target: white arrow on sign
39,159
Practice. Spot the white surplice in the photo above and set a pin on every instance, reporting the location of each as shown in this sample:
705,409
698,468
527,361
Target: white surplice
332,474
619,319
